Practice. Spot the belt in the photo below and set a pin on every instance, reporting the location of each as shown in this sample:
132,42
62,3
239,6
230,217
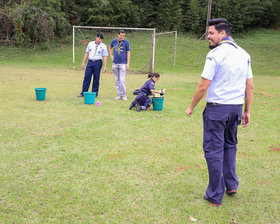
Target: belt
215,104
95,60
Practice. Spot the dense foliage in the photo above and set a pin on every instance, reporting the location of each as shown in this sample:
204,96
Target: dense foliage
31,21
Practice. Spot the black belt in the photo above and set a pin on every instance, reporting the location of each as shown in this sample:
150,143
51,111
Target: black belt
95,60
215,104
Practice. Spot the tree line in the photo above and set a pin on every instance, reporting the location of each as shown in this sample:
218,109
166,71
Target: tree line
27,22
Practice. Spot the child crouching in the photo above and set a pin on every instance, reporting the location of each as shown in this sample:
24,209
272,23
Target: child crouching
143,101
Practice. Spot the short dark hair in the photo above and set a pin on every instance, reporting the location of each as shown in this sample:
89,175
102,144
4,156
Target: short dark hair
121,31
220,24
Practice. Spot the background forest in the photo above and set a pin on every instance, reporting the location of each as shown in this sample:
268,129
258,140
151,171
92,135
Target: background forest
27,22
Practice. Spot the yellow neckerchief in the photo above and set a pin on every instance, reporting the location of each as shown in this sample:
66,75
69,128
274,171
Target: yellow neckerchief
229,42
96,46
119,47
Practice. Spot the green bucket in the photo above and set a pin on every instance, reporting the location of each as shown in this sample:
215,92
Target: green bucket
89,97
40,93
158,103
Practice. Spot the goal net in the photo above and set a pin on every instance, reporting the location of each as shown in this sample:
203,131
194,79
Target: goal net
141,44
165,52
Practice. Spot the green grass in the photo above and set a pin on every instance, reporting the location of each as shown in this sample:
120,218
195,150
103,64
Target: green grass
62,161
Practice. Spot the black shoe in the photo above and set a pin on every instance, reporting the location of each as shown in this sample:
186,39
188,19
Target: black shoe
131,106
81,95
231,191
206,198
138,107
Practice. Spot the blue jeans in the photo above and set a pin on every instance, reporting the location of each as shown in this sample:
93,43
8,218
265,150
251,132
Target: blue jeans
219,144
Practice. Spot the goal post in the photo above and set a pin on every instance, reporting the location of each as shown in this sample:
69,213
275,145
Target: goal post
165,43
142,44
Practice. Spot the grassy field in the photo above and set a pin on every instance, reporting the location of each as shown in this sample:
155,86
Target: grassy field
63,161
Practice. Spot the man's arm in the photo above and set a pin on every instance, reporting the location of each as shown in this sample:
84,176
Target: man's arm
110,52
84,60
105,64
128,60
249,92
198,94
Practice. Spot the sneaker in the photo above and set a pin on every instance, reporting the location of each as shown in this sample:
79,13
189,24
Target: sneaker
206,198
81,95
124,98
131,106
143,108
138,107
231,192
117,98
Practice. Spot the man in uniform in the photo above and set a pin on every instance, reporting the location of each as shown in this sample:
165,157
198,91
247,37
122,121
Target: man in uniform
121,60
95,52
228,77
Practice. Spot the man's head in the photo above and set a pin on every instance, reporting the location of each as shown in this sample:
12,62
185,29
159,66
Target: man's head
121,35
218,30
99,38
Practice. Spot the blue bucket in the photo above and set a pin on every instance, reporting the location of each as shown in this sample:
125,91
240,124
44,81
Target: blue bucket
158,103
89,97
40,93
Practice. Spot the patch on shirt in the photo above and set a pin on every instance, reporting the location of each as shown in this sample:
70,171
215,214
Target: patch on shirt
209,58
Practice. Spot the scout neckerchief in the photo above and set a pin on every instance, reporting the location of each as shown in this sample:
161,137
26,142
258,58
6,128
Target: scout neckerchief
229,40
119,47
96,46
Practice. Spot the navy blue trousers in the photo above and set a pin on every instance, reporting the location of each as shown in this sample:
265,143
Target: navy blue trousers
93,68
143,100
220,124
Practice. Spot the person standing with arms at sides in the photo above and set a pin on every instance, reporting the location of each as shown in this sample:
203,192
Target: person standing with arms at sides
227,75
95,51
121,60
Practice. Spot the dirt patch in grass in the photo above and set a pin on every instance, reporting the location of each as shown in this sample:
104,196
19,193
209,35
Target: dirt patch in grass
274,148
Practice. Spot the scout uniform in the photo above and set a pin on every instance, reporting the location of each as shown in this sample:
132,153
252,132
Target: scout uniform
143,98
119,64
227,66
96,53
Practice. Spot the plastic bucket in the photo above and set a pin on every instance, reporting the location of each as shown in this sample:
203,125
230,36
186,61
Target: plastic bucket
40,93
89,97
158,103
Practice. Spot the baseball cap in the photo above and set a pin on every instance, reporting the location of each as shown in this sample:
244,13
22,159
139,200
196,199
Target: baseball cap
100,35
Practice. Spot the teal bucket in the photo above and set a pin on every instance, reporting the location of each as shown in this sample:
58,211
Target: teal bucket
40,93
158,103
89,97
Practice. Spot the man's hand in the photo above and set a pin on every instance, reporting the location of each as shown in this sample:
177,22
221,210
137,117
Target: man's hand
83,66
245,119
112,57
127,66
104,70
189,111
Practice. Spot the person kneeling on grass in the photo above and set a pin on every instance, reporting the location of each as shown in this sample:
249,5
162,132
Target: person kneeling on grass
143,101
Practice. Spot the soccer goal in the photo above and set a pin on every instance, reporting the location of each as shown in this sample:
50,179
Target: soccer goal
142,44
166,44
